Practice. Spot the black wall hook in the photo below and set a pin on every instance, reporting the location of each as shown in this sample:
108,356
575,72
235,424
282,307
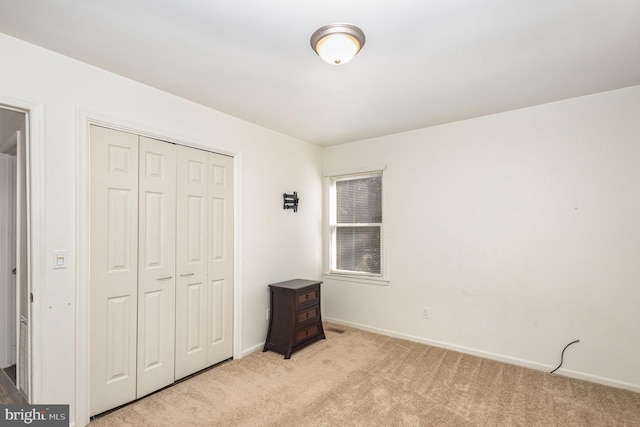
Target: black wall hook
290,201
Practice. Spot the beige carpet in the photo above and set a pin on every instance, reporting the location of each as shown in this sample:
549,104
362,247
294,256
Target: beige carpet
357,378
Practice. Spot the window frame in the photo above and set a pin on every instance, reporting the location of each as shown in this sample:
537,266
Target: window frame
330,269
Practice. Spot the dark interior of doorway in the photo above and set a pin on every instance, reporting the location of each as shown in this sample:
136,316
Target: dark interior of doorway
11,373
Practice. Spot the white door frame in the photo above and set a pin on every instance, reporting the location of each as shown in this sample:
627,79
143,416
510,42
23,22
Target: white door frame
34,144
84,120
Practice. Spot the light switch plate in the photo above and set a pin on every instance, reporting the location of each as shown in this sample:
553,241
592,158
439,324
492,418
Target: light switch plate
59,259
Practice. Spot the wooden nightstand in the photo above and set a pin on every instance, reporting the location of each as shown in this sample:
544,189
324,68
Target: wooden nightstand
295,319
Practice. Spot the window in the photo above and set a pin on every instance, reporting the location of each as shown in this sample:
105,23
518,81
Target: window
355,224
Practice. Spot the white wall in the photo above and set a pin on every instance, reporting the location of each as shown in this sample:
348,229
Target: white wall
277,245
520,232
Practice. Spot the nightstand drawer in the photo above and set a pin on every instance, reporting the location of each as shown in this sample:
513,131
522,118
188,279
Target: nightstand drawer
308,314
310,296
308,332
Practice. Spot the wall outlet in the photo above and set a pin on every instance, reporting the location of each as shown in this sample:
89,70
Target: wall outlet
268,313
425,312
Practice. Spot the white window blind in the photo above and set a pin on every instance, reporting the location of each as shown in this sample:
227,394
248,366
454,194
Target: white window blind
357,224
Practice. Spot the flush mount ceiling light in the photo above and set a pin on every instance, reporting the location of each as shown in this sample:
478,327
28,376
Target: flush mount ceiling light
337,43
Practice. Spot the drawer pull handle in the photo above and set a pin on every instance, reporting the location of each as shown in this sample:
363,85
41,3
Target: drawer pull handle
307,315
186,275
165,278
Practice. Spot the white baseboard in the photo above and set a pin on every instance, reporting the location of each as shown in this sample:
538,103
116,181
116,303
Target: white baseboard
250,350
492,356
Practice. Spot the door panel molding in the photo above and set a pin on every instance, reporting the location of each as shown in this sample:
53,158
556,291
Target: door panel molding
114,268
192,230
220,267
156,265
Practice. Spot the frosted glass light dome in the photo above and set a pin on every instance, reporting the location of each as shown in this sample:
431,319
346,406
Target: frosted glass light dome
337,44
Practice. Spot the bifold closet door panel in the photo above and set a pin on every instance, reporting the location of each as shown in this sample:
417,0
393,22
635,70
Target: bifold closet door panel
156,265
191,261
220,259
114,268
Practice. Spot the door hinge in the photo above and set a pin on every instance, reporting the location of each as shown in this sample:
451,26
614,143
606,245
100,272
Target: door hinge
31,296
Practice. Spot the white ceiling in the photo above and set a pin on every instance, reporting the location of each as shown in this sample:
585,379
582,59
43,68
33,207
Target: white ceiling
425,62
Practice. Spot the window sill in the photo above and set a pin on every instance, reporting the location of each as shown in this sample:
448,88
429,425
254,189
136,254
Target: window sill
379,281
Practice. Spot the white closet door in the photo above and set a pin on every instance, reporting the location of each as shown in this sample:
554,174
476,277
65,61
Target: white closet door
191,261
156,265
161,264
220,263
114,267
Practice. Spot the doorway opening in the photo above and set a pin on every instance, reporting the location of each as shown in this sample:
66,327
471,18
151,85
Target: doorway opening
15,317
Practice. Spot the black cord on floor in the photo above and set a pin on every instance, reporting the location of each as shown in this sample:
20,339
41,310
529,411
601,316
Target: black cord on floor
562,355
